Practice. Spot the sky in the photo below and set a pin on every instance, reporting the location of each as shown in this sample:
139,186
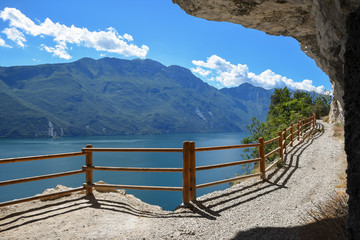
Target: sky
220,53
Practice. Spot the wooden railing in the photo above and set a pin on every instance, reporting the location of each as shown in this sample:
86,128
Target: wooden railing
285,139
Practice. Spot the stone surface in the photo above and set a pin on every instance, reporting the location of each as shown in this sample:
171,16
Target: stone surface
329,32
352,122
108,189
58,188
336,113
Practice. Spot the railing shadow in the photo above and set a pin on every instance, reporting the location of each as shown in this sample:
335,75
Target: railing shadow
275,181
19,218
209,208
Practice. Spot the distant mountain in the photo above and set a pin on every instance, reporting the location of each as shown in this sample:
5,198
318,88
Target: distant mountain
113,96
256,97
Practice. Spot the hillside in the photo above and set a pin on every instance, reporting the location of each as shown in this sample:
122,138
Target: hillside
113,96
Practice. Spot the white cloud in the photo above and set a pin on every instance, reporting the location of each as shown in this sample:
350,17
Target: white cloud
128,37
226,73
59,50
3,43
230,75
214,62
15,35
201,71
108,41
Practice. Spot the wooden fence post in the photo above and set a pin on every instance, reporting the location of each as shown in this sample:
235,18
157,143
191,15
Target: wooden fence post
298,132
89,172
301,127
186,172
308,123
262,156
284,131
292,135
314,119
192,172
280,145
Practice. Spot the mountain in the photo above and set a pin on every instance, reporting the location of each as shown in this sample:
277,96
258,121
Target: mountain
256,97
113,96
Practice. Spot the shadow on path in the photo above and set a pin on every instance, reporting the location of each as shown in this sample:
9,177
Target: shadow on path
209,208
320,230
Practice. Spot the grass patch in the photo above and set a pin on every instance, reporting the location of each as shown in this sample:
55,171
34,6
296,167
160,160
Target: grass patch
326,118
280,164
328,220
339,131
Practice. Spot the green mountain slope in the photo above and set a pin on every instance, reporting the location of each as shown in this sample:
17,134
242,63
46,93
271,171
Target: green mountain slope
256,100
113,96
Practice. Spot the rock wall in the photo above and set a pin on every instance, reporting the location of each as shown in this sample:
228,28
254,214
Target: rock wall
352,122
329,32
336,113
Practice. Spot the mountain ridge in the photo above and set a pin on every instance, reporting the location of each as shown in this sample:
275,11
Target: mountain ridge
113,96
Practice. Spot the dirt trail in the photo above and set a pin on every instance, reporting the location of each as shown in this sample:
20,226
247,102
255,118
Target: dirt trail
253,209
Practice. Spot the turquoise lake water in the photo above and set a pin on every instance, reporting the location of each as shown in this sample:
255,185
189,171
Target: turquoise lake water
167,200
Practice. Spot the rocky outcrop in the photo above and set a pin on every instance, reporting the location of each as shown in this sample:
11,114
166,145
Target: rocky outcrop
329,32
318,25
336,113
352,122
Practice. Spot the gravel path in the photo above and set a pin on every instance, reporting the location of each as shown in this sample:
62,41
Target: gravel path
253,209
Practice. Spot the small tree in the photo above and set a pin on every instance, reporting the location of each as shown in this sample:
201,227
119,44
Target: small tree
285,108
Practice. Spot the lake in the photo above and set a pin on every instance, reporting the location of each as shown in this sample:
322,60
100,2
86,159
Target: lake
167,200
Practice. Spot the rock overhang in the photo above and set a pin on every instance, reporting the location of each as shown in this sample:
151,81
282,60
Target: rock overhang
318,25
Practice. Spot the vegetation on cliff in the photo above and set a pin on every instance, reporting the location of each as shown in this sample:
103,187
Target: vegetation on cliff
285,108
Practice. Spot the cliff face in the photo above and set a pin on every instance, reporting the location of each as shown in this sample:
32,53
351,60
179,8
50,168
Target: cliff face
328,31
352,121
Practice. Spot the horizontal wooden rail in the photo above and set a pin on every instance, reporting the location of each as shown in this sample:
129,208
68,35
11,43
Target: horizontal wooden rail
16,201
272,152
132,169
272,164
203,149
271,140
30,179
227,180
156,188
132,150
227,164
303,128
42,157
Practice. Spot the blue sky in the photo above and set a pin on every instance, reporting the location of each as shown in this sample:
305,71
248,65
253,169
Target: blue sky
222,54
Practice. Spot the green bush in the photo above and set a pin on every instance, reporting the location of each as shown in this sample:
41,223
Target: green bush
286,107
